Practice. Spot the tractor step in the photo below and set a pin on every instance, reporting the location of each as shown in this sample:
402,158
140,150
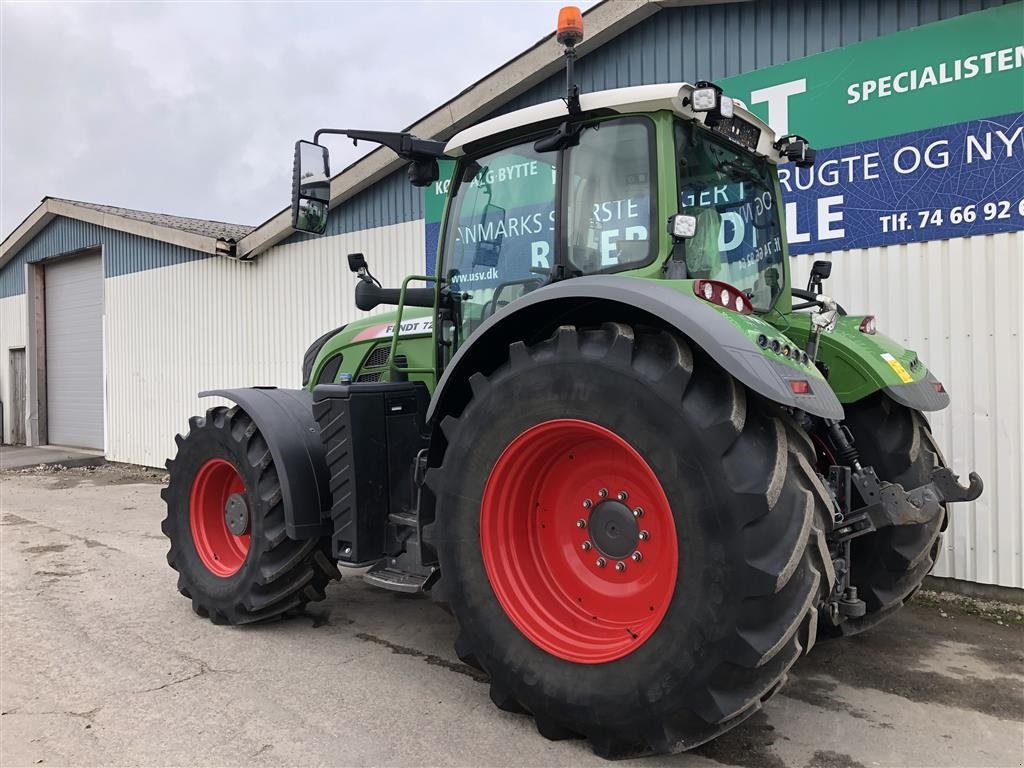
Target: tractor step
389,577
403,518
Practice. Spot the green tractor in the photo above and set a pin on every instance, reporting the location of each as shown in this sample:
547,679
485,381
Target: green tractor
641,469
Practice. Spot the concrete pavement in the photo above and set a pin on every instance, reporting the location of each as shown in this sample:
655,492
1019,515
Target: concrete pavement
23,456
103,663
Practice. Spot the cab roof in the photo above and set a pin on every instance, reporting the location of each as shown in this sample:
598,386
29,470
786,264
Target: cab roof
640,98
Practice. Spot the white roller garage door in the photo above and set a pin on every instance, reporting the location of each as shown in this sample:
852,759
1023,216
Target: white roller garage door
74,352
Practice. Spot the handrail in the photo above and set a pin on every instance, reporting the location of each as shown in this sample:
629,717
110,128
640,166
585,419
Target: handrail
398,324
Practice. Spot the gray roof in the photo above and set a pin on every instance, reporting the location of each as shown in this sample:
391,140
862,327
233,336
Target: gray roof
216,229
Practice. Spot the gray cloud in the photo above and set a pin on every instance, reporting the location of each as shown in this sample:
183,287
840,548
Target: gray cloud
192,108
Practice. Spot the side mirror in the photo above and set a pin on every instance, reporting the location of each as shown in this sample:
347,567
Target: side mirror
796,149
423,173
311,187
820,271
356,262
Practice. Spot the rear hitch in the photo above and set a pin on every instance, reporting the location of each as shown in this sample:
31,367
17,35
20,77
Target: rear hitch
887,504
890,504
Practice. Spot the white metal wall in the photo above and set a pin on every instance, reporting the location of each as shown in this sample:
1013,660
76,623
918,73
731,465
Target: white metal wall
13,324
958,303
174,331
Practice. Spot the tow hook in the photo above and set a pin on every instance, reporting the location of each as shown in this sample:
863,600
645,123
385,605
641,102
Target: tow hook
890,504
844,603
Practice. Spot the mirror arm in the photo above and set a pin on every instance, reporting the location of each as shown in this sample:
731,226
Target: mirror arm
405,145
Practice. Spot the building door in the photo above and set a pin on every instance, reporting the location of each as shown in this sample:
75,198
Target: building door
74,352
16,412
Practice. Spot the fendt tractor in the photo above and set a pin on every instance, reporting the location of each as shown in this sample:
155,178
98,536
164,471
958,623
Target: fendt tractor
642,471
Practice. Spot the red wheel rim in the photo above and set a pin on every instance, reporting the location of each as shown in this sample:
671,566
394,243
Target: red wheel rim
221,551
544,524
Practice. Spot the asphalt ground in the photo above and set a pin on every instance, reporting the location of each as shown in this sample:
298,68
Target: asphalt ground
103,663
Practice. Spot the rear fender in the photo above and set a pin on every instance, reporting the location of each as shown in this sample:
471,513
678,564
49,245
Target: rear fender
285,419
861,364
730,341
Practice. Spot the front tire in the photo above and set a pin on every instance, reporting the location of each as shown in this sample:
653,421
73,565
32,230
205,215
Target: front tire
889,565
225,521
689,640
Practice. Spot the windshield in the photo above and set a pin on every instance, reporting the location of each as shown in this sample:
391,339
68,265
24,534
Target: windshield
733,195
499,241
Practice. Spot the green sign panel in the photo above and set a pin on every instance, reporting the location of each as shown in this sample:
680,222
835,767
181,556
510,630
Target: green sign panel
952,71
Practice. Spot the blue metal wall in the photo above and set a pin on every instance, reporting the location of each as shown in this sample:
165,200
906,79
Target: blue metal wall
122,252
712,42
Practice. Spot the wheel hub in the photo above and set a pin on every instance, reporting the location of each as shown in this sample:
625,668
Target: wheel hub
579,541
614,529
236,514
219,517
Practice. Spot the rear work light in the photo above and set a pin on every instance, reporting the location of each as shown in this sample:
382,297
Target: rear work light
867,325
722,294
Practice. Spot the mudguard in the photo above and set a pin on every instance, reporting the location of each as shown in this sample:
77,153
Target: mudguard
921,395
586,300
285,419
861,364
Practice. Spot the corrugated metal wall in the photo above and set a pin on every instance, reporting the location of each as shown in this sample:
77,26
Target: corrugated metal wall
957,303
12,334
174,331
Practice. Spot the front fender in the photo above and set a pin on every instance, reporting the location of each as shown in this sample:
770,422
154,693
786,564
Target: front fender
285,419
729,340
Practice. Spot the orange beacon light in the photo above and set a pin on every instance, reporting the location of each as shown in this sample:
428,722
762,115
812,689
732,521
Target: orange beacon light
570,25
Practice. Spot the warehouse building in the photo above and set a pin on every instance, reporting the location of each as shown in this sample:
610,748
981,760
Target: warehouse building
111,320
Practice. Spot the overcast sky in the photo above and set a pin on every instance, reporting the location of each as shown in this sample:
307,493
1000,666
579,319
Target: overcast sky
193,108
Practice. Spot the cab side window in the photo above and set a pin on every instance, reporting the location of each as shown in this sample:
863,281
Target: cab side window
609,212
499,242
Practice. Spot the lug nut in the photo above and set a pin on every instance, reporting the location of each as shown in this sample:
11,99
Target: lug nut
601,562
638,512
603,493
623,496
644,535
581,523
585,546
620,566
587,503
637,557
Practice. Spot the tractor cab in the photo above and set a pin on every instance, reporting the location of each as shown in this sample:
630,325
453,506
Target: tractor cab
639,182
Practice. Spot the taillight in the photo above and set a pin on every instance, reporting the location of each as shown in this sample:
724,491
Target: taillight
722,294
867,325
800,386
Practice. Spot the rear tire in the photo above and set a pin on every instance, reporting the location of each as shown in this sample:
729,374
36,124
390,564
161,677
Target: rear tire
889,565
236,579
740,518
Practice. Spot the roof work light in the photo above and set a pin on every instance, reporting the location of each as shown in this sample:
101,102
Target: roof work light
708,98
